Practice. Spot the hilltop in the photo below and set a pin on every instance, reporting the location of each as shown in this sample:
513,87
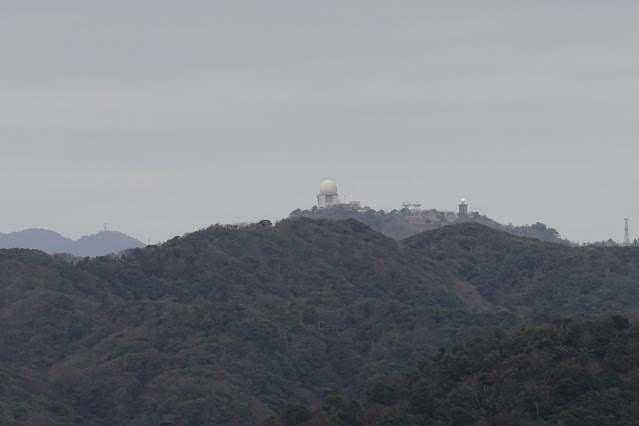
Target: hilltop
51,242
400,224
229,323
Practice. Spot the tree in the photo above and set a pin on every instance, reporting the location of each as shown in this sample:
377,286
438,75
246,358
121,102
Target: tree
295,414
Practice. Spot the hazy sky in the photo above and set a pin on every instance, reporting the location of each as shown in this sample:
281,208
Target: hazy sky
163,117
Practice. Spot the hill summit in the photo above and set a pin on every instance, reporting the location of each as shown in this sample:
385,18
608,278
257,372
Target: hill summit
400,224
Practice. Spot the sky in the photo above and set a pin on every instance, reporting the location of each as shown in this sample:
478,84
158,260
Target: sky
161,117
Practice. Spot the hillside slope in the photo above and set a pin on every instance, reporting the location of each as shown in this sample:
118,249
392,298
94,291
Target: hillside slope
227,324
581,373
535,277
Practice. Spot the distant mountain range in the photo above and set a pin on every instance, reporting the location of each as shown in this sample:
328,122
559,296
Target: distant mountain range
51,242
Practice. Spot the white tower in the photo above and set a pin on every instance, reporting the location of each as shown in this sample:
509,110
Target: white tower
328,195
463,207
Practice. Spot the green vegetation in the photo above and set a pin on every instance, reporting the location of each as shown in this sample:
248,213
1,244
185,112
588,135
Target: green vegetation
567,373
230,324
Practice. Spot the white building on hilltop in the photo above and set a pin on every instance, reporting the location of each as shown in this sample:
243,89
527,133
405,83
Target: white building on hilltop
328,195
463,207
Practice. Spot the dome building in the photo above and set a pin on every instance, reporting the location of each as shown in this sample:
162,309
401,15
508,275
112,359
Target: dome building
328,195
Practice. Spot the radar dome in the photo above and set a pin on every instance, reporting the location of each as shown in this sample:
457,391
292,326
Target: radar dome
328,187
463,201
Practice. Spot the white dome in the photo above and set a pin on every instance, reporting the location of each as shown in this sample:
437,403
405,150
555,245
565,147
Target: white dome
328,187
463,201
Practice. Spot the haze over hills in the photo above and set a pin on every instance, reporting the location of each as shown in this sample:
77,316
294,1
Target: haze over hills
399,224
51,242
230,323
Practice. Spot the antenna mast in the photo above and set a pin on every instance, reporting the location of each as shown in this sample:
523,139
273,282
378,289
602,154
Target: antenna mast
626,238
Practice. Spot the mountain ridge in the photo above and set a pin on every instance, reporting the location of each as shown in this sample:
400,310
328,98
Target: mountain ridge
51,242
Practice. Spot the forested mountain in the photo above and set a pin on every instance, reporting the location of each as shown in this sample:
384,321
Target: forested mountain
399,224
230,323
99,244
565,373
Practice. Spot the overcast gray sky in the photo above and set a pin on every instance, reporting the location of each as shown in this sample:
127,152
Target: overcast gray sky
163,117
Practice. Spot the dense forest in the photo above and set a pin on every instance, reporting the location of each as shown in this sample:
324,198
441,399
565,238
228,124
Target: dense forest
565,373
231,323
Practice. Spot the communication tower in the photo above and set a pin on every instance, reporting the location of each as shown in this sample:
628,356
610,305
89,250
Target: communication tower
626,237
463,207
406,204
